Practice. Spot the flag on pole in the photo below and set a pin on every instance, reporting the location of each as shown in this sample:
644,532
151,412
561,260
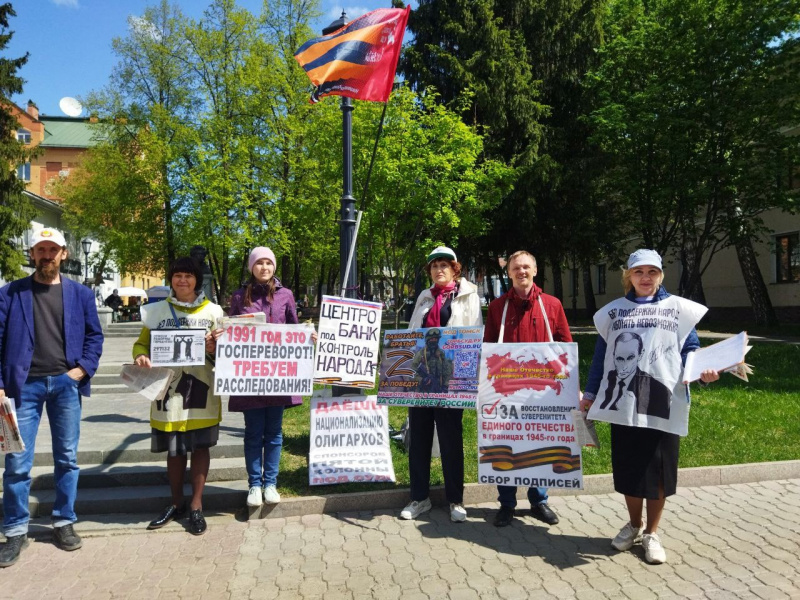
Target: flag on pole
360,59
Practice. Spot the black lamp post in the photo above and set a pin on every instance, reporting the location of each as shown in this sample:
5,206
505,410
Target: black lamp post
87,246
347,219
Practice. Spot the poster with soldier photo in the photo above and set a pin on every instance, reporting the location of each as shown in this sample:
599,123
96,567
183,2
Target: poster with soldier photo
177,347
435,366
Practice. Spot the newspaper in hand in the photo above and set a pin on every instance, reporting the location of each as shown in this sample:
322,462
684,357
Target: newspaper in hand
150,382
253,318
10,436
585,432
726,356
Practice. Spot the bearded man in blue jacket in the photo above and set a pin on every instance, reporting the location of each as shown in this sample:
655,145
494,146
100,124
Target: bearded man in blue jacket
50,345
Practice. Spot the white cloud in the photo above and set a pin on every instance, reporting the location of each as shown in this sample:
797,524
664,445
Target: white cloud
67,3
352,12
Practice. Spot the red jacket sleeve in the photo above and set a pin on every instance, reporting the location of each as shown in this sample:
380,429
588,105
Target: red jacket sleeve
491,329
561,333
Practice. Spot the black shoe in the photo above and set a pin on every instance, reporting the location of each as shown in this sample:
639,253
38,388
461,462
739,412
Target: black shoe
9,553
197,523
170,513
66,538
504,516
544,513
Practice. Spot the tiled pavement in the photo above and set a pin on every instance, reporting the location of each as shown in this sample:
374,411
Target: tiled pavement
732,541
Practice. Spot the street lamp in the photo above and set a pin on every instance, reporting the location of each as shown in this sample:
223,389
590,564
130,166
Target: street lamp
87,246
347,218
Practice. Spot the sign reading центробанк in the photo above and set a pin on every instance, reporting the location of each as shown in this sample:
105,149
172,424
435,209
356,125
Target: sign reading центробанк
264,360
349,342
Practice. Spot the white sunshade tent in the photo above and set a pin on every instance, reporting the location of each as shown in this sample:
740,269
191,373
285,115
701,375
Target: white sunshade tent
158,291
131,291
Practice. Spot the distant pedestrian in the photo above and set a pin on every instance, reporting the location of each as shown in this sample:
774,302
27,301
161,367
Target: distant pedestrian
644,454
50,346
451,301
114,302
187,420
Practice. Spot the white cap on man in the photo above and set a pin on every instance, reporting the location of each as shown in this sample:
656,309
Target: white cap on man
48,234
442,252
645,257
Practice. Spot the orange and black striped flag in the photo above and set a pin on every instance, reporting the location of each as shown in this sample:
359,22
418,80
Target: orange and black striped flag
360,59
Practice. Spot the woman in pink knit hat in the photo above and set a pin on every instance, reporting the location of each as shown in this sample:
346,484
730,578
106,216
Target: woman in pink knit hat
263,415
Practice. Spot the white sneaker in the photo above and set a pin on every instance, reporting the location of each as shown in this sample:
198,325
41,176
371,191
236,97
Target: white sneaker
271,495
458,514
254,496
627,537
653,550
415,509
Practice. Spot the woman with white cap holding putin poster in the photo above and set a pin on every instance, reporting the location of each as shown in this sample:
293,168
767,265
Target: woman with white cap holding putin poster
263,415
635,383
451,301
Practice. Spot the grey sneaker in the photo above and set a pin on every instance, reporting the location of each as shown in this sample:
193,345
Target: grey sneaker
458,514
627,537
415,509
66,538
653,550
9,553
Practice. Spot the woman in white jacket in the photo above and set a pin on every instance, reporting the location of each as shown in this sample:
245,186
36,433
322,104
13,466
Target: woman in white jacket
451,301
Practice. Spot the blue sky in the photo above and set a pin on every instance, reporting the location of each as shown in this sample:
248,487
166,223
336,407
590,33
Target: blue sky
70,40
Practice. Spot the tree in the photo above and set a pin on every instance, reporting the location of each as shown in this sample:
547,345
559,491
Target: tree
16,211
694,100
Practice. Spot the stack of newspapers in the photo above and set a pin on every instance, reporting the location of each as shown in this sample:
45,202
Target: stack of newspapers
10,437
726,356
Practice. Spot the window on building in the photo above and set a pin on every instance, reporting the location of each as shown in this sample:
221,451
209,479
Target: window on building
601,279
24,136
787,257
24,172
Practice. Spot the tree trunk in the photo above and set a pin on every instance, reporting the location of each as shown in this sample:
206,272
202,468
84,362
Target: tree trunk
320,281
691,283
588,292
763,310
286,268
558,285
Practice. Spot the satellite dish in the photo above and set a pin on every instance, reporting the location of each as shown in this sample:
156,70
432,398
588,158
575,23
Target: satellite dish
70,106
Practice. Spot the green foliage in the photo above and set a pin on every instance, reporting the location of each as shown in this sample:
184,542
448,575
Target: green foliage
15,210
694,102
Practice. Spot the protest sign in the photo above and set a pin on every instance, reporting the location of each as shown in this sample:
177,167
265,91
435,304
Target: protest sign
264,360
642,369
348,344
526,436
430,367
177,347
349,441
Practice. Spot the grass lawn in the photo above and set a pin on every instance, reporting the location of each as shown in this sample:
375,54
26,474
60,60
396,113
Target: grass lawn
731,422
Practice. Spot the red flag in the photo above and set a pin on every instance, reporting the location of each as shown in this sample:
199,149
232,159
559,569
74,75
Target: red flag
360,59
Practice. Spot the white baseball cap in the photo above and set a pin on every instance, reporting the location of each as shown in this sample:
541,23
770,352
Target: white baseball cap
48,234
442,252
645,257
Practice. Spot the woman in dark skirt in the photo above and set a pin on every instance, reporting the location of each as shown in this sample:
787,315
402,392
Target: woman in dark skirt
641,384
187,420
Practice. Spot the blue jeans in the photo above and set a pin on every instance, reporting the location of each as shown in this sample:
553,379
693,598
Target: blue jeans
59,394
263,438
507,495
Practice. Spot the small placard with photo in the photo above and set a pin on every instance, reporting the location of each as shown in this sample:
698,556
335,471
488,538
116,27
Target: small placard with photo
177,347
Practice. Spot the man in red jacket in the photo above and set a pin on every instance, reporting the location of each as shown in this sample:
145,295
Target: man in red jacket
522,308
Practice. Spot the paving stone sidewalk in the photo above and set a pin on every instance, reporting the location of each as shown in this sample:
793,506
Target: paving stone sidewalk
732,541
